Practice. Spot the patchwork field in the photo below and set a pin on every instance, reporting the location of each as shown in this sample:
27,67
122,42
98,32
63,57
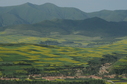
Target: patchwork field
16,58
61,40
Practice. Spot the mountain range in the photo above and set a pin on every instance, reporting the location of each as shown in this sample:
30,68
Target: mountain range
88,27
68,26
31,13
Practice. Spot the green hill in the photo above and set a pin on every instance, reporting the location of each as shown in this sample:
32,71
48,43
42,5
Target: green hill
116,15
88,32
31,13
88,27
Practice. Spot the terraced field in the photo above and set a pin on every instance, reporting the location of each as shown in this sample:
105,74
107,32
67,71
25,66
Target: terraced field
18,58
76,39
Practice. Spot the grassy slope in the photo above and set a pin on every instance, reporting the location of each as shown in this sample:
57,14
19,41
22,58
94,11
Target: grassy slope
90,31
30,13
117,15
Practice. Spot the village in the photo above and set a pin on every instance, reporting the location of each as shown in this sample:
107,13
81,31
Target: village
78,75
51,78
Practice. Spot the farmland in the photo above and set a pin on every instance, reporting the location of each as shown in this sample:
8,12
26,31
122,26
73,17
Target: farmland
24,59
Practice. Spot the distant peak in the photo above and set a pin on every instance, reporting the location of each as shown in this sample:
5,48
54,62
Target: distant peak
29,4
49,4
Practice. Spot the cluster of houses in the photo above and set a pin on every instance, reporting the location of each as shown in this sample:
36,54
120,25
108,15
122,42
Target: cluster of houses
70,77
37,76
50,78
2,78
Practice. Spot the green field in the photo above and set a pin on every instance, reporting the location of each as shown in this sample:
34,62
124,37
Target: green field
20,60
76,39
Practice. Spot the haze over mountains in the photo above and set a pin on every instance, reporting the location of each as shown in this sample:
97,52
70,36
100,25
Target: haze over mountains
30,13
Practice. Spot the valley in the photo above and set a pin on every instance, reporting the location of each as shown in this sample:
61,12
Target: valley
62,45
57,62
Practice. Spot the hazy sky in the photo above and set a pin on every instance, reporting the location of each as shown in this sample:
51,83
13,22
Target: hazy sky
84,5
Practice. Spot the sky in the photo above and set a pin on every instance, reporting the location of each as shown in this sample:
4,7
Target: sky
84,5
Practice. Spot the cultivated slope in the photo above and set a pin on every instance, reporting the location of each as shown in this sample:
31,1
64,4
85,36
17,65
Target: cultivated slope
81,33
54,60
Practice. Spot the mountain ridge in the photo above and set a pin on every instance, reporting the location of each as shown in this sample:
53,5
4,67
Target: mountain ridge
29,13
88,27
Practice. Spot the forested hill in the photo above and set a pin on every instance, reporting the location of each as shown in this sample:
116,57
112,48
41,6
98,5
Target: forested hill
88,27
31,13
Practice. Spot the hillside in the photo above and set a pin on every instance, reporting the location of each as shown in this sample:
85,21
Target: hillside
87,32
89,27
68,61
116,15
31,13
